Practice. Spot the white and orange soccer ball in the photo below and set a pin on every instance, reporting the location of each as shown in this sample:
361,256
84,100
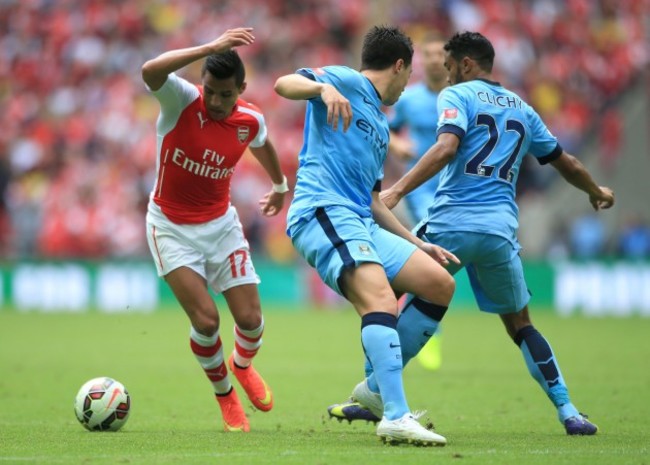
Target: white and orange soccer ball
102,404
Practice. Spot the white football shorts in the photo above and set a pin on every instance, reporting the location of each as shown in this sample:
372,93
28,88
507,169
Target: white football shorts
216,250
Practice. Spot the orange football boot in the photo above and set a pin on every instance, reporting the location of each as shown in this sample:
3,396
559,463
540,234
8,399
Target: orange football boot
234,418
256,389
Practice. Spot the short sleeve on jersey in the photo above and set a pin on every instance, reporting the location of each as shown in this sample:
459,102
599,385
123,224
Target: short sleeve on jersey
306,73
452,113
339,76
262,133
315,74
554,155
452,129
174,95
309,74
176,91
543,145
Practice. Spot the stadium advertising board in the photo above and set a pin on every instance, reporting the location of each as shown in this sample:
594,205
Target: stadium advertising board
569,288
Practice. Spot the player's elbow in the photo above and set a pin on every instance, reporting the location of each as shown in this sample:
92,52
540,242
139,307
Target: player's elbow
146,72
280,86
286,87
152,76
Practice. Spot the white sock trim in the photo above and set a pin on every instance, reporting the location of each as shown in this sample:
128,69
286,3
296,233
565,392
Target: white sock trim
203,340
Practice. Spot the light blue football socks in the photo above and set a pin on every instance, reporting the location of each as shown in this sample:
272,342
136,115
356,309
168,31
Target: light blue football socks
543,367
382,347
418,321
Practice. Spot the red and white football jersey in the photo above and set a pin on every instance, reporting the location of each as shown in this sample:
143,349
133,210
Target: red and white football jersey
197,155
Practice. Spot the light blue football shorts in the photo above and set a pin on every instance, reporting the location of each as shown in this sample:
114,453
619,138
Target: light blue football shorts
493,266
336,238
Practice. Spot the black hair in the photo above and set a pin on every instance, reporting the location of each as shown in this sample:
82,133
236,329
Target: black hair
383,46
225,65
473,45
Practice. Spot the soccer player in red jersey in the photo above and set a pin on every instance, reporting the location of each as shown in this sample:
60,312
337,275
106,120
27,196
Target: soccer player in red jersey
194,233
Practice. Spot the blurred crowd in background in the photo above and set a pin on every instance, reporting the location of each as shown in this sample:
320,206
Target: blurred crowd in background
78,145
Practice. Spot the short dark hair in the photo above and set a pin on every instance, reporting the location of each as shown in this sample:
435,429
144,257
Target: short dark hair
473,45
225,65
383,46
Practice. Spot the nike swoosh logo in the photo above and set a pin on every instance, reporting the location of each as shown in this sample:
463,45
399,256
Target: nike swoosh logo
267,398
427,334
392,346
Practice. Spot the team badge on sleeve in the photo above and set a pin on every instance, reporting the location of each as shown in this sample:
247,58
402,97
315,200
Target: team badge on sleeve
450,113
364,249
242,133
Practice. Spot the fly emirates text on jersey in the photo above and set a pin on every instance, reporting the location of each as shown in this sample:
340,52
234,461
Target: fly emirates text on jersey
209,168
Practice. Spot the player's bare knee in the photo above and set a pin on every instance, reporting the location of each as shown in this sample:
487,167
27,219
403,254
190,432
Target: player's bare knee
206,324
385,300
448,287
441,290
250,320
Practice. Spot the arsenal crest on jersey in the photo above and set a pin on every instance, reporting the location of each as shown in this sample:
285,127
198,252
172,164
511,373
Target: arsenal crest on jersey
242,133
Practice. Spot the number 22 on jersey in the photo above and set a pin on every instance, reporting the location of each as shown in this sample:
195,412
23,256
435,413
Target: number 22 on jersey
477,164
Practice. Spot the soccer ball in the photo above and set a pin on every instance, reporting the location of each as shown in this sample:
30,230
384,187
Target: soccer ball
102,404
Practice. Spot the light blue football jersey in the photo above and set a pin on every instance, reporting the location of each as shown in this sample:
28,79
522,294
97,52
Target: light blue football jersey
336,167
497,129
417,110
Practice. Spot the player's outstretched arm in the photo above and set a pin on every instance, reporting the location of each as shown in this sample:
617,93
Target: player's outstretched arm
435,159
577,175
298,87
272,202
156,70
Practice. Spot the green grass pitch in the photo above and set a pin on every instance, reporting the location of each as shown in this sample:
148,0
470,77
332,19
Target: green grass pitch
482,399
